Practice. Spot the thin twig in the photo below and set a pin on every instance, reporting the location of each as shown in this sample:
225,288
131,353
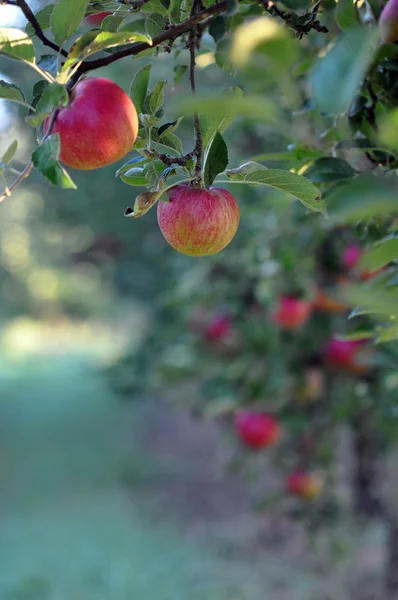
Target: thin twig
172,33
28,169
25,8
194,38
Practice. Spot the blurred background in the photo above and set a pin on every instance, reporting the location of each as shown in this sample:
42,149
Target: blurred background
121,475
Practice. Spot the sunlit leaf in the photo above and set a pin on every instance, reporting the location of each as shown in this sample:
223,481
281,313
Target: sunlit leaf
66,17
16,44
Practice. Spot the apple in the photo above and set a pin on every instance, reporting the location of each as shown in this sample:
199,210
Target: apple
97,18
257,430
98,127
388,22
305,485
351,256
292,312
218,329
346,355
198,222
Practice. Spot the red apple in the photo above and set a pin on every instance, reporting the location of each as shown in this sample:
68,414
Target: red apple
198,222
388,22
218,329
257,430
98,127
351,256
346,355
97,18
292,312
304,485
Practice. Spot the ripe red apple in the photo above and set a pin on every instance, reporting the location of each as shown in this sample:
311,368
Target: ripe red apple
346,355
304,485
98,127
388,22
97,18
292,312
218,329
198,222
257,430
351,256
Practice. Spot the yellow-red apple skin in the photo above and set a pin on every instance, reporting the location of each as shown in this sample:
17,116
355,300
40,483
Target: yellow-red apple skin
98,127
198,222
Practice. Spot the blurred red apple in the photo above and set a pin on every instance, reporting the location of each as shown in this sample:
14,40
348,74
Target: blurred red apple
347,355
388,22
351,256
292,312
305,485
98,127
198,222
257,430
97,18
218,329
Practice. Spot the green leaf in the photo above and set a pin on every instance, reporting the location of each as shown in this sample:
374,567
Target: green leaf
329,169
139,87
48,62
216,160
156,98
232,7
222,55
93,41
363,197
388,132
66,17
137,160
112,22
43,18
214,121
356,335
372,299
134,176
154,25
169,127
174,10
172,141
45,160
53,95
9,91
284,181
218,28
338,75
9,153
155,6
346,15
179,71
16,44
138,25
380,256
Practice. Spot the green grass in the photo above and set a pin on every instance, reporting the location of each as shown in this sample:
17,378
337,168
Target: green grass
70,526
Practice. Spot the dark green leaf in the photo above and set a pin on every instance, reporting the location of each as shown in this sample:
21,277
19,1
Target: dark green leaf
45,160
43,18
9,91
16,44
361,198
329,169
156,6
9,153
156,98
380,256
154,25
217,28
169,127
179,71
222,55
66,17
138,25
139,87
232,7
285,181
53,95
338,75
216,159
